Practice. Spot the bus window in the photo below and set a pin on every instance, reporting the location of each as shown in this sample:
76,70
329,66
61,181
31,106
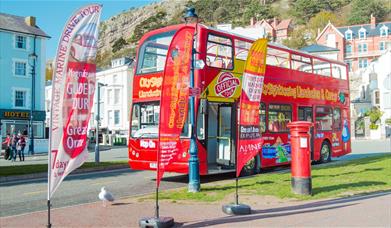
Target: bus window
322,67
219,52
262,117
279,116
338,71
277,57
337,119
153,52
201,120
241,49
145,120
323,118
301,63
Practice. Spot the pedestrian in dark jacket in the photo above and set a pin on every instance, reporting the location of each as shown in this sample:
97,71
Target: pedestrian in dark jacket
14,142
22,145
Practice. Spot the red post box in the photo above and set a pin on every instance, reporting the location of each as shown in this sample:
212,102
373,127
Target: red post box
301,157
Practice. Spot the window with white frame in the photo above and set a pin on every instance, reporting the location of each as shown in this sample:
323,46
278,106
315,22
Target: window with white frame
382,45
348,34
377,97
110,117
348,49
362,48
20,68
362,63
362,34
20,99
116,117
349,63
115,79
116,96
384,31
20,42
109,96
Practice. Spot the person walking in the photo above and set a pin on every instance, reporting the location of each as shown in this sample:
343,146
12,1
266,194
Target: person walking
7,144
14,143
22,144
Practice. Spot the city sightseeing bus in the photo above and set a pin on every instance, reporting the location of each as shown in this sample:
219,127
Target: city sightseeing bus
297,87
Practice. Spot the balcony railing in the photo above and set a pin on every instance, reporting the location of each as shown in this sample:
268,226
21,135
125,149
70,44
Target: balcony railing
364,54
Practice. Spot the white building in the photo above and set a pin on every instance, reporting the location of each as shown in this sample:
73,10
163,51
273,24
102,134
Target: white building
115,97
375,88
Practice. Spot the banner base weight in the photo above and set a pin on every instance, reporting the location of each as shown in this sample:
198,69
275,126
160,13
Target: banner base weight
237,209
161,222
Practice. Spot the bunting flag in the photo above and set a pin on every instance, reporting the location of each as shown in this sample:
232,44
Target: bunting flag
249,132
174,98
72,94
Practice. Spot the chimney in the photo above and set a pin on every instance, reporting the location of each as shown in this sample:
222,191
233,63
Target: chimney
252,21
275,22
373,22
30,21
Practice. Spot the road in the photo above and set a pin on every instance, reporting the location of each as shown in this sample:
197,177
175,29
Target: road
20,197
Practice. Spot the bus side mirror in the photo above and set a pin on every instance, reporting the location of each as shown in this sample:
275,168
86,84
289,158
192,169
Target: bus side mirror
190,130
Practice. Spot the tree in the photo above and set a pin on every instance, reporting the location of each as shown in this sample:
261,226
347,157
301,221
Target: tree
220,15
303,10
259,11
362,10
320,20
119,44
297,40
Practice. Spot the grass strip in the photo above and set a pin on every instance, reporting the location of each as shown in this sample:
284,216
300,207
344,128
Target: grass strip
41,168
333,180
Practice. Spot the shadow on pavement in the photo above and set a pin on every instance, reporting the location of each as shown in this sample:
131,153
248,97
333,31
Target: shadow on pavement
291,210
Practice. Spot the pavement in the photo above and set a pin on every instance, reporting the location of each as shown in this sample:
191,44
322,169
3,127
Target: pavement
364,211
373,210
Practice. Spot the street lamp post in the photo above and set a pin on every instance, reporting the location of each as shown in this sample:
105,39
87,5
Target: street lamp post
194,170
32,58
97,123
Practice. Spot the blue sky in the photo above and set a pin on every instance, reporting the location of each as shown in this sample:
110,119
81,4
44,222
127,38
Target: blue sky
52,15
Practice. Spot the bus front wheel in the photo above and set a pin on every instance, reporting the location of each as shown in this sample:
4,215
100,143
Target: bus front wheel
325,152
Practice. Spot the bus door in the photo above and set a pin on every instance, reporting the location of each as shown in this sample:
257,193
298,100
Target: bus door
220,135
306,114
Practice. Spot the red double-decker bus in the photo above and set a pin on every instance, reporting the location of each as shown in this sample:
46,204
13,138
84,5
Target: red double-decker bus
297,86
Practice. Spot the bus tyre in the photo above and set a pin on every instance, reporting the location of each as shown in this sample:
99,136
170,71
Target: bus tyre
325,152
252,167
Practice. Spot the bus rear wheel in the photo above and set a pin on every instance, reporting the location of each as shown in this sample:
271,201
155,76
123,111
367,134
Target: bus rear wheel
325,152
252,167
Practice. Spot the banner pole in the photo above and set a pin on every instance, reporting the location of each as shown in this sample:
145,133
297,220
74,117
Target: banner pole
157,203
237,195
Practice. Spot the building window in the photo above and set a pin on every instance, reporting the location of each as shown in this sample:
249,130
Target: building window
348,49
116,96
20,68
20,98
362,63
115,79
362,34
348,34
377,97
350,64
116,117
20,42
109,96
382,45
383,31
362,48
110,117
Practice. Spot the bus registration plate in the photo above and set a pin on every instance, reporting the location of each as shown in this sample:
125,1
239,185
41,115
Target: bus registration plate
153,165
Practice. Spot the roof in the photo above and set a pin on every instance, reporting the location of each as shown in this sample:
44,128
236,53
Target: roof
318,48
284,24
325,28
370,31
14,23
